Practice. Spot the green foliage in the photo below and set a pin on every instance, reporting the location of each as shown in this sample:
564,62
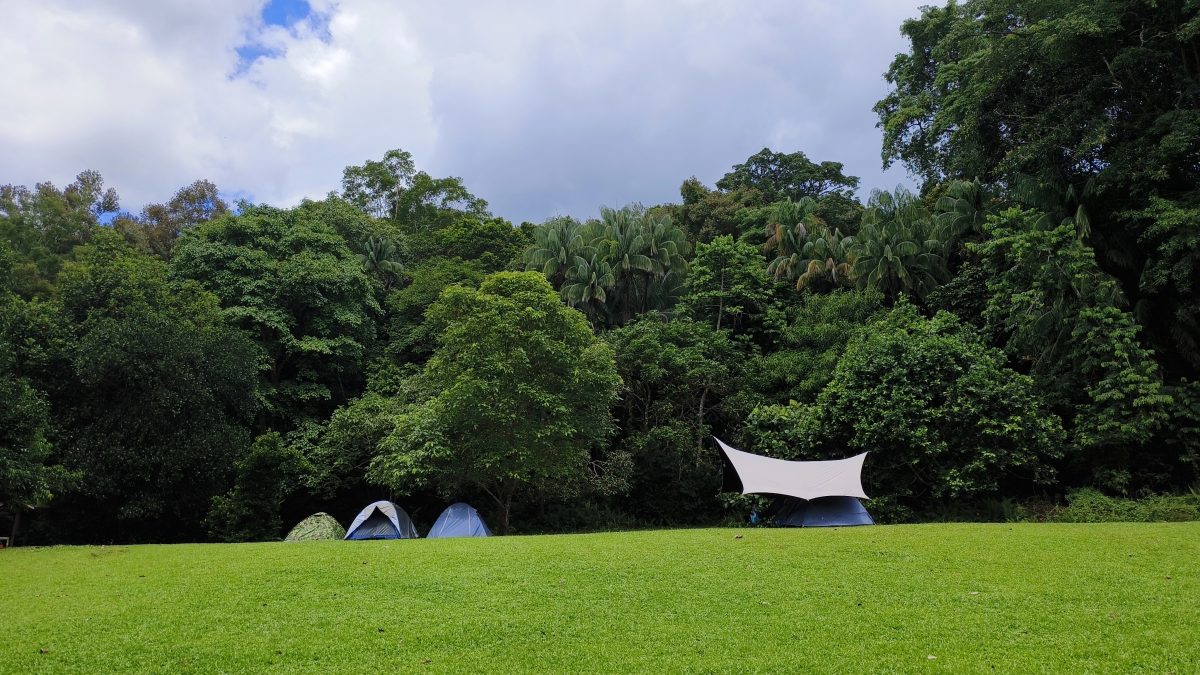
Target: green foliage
727,286
706,214
778,177
810,346
393,188
265,476
680,379
151,391
493,242
806,249
520,392
965,295
937,409
1088,505
898,250
1097,103
1056,313
381,260
409,338
337,462
43,224
158,227
27,477
629,262
291,282
556,245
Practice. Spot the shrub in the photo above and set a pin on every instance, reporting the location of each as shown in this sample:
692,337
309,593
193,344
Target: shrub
1089,505
940,413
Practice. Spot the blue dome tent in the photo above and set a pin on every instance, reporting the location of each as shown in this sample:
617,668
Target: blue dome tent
382,520
459,520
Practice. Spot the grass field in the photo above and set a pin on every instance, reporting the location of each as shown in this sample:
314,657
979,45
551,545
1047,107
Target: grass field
960,598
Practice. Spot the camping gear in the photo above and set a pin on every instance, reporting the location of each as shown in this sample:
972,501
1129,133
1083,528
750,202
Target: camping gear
459,520
317,527
382,520
809,494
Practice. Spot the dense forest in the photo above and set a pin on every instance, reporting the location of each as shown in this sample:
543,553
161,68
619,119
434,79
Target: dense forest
1023,325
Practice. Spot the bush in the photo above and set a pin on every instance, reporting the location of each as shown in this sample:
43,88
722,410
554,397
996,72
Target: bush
941,415
1089,505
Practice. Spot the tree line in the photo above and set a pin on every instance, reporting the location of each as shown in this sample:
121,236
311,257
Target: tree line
1024,324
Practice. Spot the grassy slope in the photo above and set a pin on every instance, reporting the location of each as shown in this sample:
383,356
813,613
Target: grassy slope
1115,597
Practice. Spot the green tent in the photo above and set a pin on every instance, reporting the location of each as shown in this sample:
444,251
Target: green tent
316,527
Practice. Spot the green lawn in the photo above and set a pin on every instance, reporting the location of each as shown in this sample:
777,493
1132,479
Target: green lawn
962,598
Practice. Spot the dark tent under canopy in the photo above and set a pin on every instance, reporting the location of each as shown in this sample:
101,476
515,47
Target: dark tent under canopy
819,512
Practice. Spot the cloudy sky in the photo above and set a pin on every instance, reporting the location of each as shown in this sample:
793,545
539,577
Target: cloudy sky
541,107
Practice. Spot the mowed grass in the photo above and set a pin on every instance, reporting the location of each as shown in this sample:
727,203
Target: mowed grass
961,598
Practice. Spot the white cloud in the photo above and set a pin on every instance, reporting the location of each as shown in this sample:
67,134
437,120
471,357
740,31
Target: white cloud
542,107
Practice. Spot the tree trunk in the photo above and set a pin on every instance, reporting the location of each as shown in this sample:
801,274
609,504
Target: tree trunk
12,536
721,300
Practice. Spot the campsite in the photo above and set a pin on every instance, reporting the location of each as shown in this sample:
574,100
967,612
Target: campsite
592,336
1104,598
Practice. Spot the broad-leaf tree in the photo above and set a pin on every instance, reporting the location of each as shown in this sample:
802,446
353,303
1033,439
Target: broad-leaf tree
293,284
1097,99
521,398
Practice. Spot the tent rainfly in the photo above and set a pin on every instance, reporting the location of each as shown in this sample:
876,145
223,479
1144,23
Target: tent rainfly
459,520
316,527
821,493
382,520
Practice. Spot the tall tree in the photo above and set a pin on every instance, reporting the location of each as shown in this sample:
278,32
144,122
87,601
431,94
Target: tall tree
897,249
727,284
520,394
393,188
1060,317
291,282
780,176
152,390
28,478
1098,98
43,224
683,380
159,225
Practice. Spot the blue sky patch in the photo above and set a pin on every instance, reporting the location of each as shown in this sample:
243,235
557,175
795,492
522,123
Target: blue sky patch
285,13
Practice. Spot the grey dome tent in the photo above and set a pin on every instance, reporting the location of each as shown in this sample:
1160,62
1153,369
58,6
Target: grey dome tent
459,520
808,494
316,527
382,520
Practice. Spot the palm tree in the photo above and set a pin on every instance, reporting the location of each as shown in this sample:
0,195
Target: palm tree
588,283
807,250
960,212
556,243
788,229
619,237
381,258
666,246
827,259
897,249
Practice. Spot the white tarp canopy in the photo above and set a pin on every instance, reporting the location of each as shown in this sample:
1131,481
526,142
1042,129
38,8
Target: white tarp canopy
804,480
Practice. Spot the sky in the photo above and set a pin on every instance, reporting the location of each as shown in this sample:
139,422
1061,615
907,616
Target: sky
542,108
